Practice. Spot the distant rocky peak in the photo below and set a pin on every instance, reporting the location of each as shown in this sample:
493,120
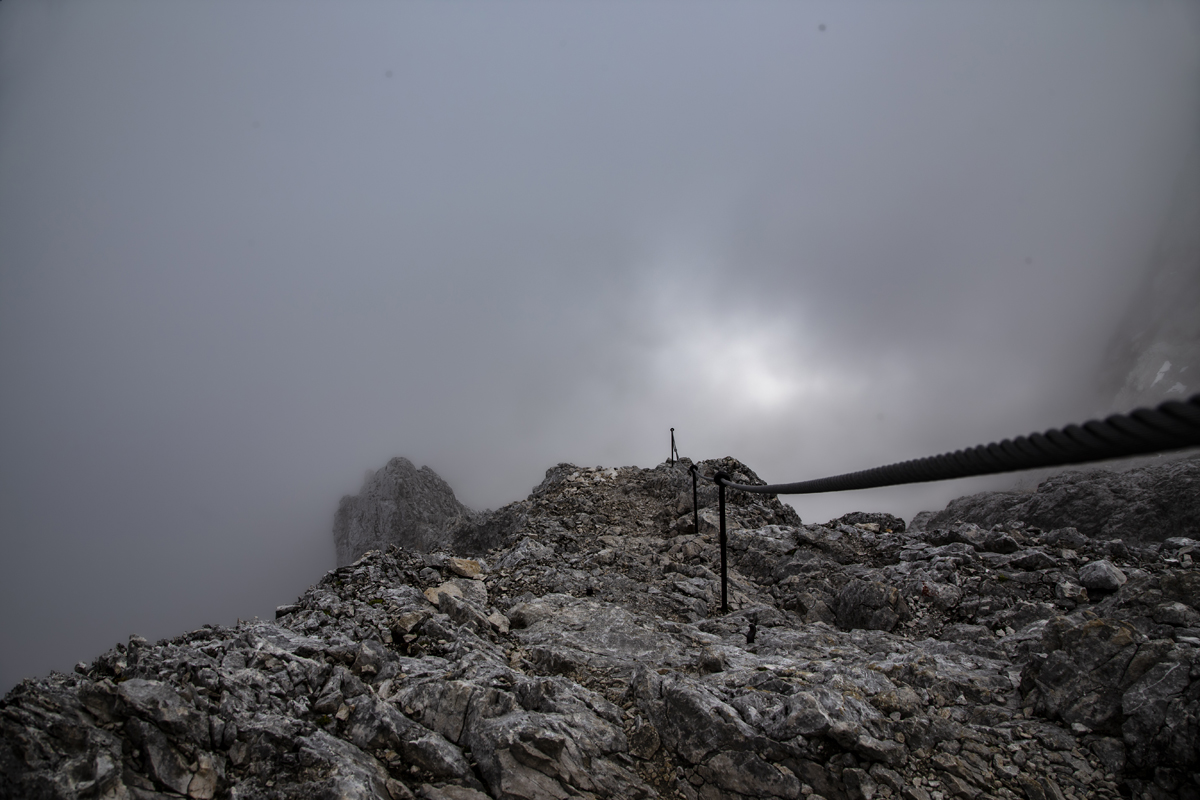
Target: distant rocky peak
399,504
1154,354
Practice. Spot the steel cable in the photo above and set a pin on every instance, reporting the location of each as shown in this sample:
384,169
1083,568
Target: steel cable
1173,425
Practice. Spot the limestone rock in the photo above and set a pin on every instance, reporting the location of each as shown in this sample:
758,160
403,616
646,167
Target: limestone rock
1160,727
1087,665
1000,542
1101,575
1145,504
578,649
871,605
1032,560
465,567
884,523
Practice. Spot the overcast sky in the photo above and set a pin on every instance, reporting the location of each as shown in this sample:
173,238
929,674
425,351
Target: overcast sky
250,250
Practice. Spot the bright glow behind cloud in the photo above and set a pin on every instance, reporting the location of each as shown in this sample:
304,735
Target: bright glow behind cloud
745,364
730,354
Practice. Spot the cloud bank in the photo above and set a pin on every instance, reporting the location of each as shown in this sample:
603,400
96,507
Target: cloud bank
248,252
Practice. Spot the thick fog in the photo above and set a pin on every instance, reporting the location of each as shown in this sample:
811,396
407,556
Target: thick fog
249,251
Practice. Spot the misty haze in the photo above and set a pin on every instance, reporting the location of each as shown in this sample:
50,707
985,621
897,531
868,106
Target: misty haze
250,252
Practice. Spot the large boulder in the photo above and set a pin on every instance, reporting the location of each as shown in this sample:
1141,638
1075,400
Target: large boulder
871,605
1101,575
1088,665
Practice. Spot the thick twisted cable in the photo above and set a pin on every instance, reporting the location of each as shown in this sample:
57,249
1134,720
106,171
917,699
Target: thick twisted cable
1174,425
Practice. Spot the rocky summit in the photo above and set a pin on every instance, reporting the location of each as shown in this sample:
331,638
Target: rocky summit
577,649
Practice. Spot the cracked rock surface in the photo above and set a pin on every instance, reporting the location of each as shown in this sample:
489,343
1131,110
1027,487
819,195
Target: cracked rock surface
583,653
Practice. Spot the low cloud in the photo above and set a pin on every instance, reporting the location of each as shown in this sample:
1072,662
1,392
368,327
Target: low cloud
251,252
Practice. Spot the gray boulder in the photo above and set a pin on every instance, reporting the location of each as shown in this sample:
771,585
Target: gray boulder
1101,575
1160,709
1087,666
690,718
1000,542
871,605
884,523
1032,560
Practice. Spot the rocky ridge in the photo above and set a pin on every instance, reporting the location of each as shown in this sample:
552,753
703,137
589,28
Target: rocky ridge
585,655
1147,504
414,508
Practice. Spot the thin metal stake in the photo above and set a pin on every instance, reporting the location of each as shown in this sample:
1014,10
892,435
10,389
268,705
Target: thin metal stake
720,478
674,449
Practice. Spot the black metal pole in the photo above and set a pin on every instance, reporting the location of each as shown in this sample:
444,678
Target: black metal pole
720,478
